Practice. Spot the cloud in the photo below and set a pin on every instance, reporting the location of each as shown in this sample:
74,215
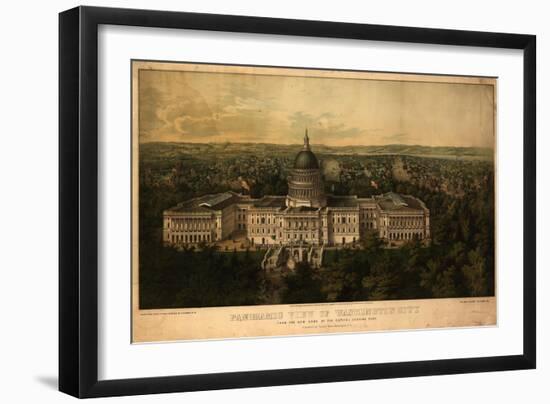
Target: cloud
322,126
397,138
210,107
174,115
177,111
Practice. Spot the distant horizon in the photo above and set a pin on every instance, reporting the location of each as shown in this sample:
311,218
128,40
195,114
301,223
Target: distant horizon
313,145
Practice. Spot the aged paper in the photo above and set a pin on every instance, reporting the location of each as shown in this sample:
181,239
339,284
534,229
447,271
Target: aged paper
261,321
380,215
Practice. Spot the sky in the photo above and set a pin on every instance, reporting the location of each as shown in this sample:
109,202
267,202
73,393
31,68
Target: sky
203,107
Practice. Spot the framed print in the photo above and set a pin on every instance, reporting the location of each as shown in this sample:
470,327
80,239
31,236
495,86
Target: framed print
293,238
298,201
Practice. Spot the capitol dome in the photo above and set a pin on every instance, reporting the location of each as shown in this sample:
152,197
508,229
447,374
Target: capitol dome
305,183
306,160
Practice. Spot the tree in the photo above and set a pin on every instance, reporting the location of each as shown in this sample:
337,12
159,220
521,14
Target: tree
475,274
383,280
303,286
445,283
371,242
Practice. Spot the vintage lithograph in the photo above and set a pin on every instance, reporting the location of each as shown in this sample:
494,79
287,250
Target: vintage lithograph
273,201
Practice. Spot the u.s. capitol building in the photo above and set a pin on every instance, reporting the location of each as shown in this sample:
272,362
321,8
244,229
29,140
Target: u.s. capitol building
306,216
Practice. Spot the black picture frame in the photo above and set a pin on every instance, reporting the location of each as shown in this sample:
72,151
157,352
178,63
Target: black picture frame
78,201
